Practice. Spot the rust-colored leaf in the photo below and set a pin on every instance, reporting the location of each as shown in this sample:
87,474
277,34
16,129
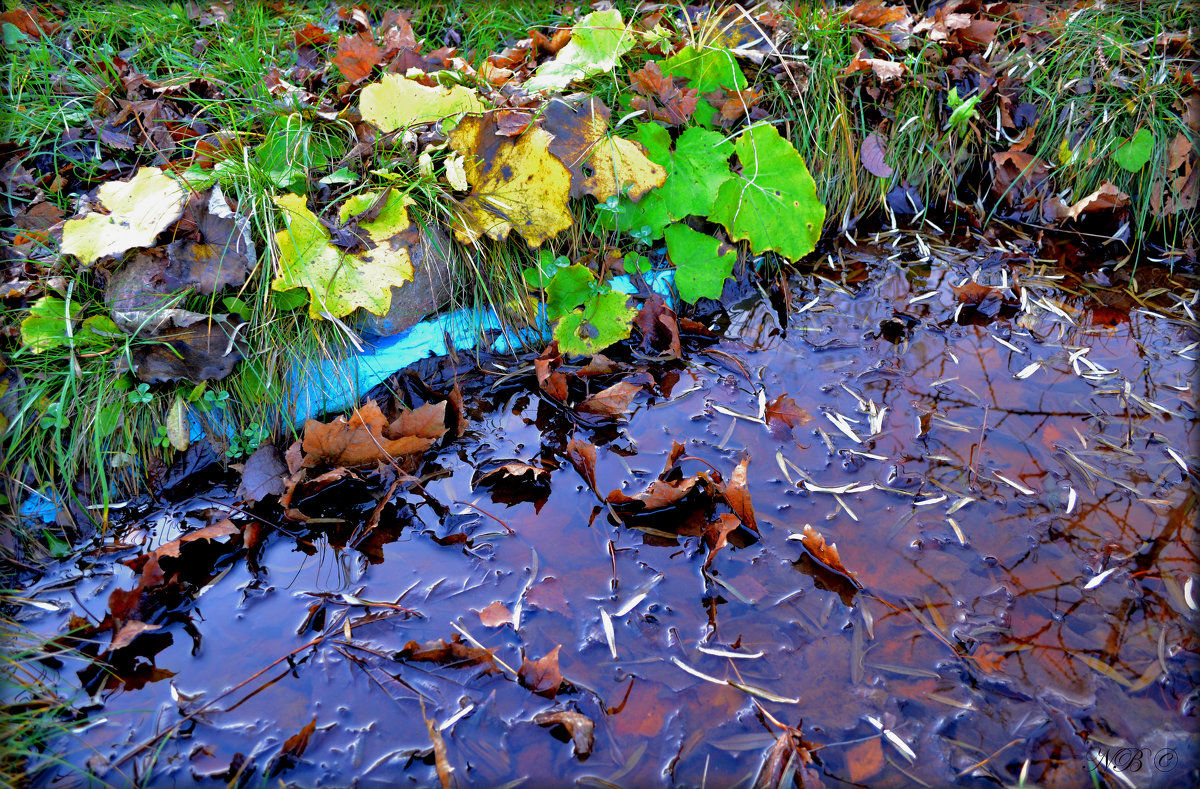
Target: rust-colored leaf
1107,198
582,455
660,330
789,756
738,497
356,57
874,13
515,469
441,759
579,726
128,632
972,292
297,744
783,409
658,495
661,97
865,760
546,365
884,70
825,554
874,151
716,534
311,35
29,21
357,441
495,615
424,422
542,676
455,654
612,402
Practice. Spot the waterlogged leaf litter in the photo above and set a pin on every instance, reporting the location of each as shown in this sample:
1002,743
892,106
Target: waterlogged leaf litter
138,210
597,43
396,102
338,282
773,204
515,183
700,268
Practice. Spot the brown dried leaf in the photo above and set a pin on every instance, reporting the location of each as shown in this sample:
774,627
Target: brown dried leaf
425,422
455,654
582,455
551,382
297,744
885,70
784,409
613,401
29,21
579,726
661,97
873,13
542,676
826,554
356,57
311,35
441,759
874,152
658,495
1107,198
263,474
357,441
515,469
738,497
658,326
495,615
716,534
128,632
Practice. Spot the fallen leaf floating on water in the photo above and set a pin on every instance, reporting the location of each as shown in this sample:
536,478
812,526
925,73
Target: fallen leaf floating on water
738,498
495,615
789,756
297,744
549,380
542,676
454,654
582,456
441,759
827,554
783,410
357,440
515,470
660,330
579,726
658,495
611,402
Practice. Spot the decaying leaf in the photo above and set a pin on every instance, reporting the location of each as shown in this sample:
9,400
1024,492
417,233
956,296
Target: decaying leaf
774,204
579,726
263,475
1107,198
874,153
515,183
597,43
885,70
612,402
495,615
826,554
549,379
339,282
602,165
865,759
396,102
542,676
582,456
783,409
356,57
515,470
453,654
738,497
138,210
659,327
426,422
297,744
206,349
661,97
357,441
656,496
128,632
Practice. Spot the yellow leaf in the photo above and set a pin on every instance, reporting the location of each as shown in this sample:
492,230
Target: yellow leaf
138,210
396,102
601,164
514,184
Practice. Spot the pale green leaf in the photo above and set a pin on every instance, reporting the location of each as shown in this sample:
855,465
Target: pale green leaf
178,429
592,328
138,210
597,43
396,102
47,324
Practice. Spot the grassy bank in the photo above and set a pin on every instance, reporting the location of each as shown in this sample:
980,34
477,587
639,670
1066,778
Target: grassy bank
895,111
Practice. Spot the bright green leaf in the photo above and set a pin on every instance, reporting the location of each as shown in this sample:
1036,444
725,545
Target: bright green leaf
337,282
108,419
699,270
57,546
1133,154
138,210
601,322
706,70
342,175
46,326
99,329
773,204
597,43
571,287
289,299
396,102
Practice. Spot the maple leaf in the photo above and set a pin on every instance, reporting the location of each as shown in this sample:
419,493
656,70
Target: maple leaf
613,401
356,57
514,183
357,441
661,96
311,35
542,676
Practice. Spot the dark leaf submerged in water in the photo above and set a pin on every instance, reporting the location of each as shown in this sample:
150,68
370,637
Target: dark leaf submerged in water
542,676
579,726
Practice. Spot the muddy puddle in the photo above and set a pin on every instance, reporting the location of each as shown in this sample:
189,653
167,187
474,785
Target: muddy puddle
1003,451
